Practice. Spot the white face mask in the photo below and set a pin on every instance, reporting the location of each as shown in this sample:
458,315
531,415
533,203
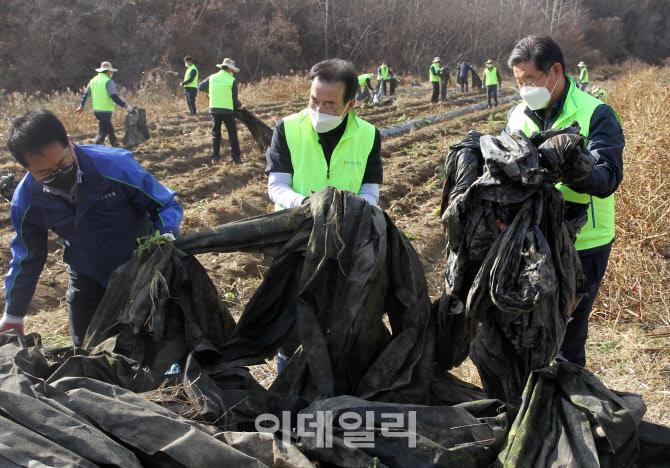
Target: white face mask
536,97
323,123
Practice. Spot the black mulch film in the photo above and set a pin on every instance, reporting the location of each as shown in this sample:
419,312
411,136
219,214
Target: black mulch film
163,378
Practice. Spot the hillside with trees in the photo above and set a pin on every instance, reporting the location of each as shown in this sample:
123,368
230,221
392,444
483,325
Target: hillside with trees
55,44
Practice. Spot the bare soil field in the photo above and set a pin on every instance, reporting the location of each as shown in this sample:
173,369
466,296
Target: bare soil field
630,338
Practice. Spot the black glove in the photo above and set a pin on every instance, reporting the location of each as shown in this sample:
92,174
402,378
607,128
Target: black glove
566,155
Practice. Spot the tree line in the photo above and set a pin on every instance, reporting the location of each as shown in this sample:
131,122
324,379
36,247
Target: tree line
55,44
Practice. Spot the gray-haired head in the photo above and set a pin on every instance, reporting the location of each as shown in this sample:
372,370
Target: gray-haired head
335,70
541,49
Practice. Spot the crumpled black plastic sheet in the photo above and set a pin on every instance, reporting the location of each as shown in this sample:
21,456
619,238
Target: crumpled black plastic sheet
260,131
568,415
511,262
339,267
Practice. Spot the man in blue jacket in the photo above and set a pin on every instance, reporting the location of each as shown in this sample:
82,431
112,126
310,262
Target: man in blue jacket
94,197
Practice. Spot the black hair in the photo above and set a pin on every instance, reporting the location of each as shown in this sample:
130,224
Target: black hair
335,70
188,58
541,49
29,133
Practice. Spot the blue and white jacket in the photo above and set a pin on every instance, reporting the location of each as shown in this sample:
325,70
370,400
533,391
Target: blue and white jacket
98,230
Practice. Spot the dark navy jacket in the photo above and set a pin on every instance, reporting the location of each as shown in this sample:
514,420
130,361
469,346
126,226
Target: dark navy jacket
98,230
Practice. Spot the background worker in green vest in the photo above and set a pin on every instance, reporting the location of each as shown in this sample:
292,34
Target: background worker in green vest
324,145
598,92
583,76
551,99
190,84
384,73
222,89
364,87
492,82
434,76
103,95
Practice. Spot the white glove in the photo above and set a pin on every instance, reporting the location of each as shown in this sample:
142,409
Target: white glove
11,323
129,108
169,235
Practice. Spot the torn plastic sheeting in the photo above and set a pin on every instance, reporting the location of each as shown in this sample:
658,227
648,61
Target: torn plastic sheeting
261,133
511,261
339,266
568,414
438,117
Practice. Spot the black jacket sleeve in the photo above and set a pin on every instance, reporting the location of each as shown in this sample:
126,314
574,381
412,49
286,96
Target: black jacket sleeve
278,156
374,172
606,143
204,85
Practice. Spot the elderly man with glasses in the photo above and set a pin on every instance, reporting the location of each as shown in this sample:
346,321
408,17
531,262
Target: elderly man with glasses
324,145
96,198
551,99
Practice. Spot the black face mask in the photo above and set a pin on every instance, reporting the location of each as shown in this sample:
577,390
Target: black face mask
62,179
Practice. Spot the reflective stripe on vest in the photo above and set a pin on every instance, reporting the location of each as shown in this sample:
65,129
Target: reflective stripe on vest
385,72
579,106
194,82
99,95
347,163
434,72
491,76
362,79
221,90
584,75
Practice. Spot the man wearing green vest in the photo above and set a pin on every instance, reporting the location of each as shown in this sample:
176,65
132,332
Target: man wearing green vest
190,84
492,82
598,92
434,76
583,76
324,145
103,95
385,74
552,99
222,89
364,87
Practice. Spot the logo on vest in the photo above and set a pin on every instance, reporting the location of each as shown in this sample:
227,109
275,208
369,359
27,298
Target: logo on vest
353,163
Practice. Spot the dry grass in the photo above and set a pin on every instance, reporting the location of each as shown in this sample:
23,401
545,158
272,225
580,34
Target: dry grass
636,285
275,88
629,340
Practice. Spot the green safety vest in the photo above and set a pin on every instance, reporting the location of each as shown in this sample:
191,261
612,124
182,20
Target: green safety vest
601,93
491,76
385,72
221,90
434,72
194,82
362,79
347,166
579,106
584,75
102,102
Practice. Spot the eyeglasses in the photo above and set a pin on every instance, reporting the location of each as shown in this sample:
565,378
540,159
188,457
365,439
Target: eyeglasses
61,170
518,85
325,109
